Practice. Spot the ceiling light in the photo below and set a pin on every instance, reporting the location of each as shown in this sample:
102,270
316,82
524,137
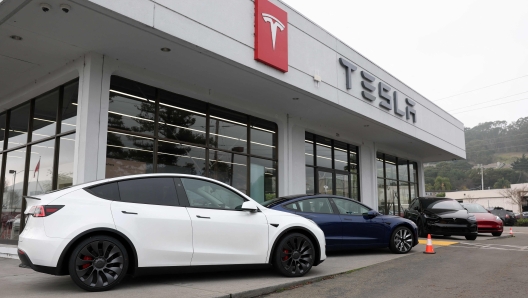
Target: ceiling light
366,125
165,49
295,98
15,37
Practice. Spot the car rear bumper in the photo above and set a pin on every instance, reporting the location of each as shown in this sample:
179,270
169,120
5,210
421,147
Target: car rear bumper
24,258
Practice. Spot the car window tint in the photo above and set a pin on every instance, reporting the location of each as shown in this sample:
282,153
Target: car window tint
292,206
350,207
204,194
443,205
315,205
108,191
154,191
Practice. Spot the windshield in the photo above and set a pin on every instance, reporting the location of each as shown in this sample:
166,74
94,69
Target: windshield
446,204
475,208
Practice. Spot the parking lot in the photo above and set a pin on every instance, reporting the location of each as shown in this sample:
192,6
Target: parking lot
20,282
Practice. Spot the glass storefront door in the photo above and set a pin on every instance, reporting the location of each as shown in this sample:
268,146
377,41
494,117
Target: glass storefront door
332,182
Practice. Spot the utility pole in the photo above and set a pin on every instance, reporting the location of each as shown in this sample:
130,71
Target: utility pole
482,175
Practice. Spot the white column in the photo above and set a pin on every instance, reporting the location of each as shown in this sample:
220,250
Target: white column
368,174
90,142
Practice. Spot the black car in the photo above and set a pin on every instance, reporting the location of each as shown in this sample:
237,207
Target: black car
442,216
507,216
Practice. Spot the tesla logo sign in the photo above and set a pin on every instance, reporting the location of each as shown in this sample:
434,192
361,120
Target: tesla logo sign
271,35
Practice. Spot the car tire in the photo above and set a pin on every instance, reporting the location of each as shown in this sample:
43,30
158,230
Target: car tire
401,241
497,234
471,237
294,255
98,263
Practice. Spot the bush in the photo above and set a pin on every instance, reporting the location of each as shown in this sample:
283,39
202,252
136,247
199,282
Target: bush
522,222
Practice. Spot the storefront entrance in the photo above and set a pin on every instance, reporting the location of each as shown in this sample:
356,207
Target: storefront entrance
332,182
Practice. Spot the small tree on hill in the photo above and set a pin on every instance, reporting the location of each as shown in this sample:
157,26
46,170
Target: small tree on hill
442,183
502,183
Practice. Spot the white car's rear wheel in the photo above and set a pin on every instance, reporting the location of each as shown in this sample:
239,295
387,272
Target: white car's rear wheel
98,263
294,255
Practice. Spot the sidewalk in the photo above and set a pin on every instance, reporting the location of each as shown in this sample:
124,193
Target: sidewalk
19,282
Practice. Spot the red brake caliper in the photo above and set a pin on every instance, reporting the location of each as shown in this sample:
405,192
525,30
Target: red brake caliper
86,258
285,257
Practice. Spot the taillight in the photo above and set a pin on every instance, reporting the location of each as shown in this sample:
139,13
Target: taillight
507,216
43,211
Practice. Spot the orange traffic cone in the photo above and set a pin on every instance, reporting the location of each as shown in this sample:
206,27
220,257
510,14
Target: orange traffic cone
429,247
511,231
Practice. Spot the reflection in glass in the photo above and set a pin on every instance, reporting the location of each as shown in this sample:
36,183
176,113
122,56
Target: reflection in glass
2,130
392,196
403,172
130,114
263,179
181,118
12,194
45,116
355,187
310,181
340,156
227,135
69,107
229,168
390,167
353,161
381,196
324,155
18,126
405,197
342,185
309,153
414,190
180,158
66,153
325,183
262,142
128,155
40,176
379,165
414,172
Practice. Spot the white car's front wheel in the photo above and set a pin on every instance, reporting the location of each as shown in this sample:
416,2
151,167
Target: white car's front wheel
295,255
98,263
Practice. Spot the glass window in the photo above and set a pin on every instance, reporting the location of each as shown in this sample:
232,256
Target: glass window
353,160
12,194
414,172
228,130
66,154
403,171
69,107
310,181
309,153
292,206
325,182
18,126
180,158
390,167
379,165
229,168
40,178
350,207
108,191
342,185
323,149
355,187
45,116
2,130
132,88
204,194
263,179
381,196
131,114
341,156
182,118
315,205
405,196
263,138
154,191
128,155
414,190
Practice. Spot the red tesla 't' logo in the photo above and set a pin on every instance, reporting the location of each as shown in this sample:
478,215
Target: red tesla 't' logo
271,35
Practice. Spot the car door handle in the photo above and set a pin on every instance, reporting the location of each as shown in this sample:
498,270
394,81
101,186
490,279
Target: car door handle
203,217
126,212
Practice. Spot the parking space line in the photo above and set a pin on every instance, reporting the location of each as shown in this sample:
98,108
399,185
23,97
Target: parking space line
437,242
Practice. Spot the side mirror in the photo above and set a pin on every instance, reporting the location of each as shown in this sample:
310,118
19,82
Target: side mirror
370,215
249,206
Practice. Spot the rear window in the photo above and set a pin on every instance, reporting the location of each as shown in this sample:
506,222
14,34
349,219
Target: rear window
154,191
108,191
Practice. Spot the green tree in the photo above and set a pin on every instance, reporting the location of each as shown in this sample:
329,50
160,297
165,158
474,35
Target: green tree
442,183
441,194
521,164
502,183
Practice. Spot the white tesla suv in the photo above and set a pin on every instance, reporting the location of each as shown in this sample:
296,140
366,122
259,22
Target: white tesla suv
160,223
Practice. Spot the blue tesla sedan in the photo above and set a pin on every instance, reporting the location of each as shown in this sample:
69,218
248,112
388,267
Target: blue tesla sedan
348,224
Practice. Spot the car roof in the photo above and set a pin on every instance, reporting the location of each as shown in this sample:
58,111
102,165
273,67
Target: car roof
285,199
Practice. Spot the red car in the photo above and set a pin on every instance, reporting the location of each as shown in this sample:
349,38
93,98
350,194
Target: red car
486,222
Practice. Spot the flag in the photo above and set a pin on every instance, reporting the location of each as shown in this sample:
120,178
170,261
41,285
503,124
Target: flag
36,168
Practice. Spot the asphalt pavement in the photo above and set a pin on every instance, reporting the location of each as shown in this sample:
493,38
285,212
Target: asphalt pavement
495,267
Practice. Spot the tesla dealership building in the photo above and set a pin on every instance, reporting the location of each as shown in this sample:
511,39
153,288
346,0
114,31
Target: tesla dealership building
250,93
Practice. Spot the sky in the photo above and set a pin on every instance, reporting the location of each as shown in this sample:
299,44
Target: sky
445,50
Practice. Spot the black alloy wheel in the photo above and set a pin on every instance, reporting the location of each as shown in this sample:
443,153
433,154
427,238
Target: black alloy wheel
294,255
98,263
471,237
401,241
